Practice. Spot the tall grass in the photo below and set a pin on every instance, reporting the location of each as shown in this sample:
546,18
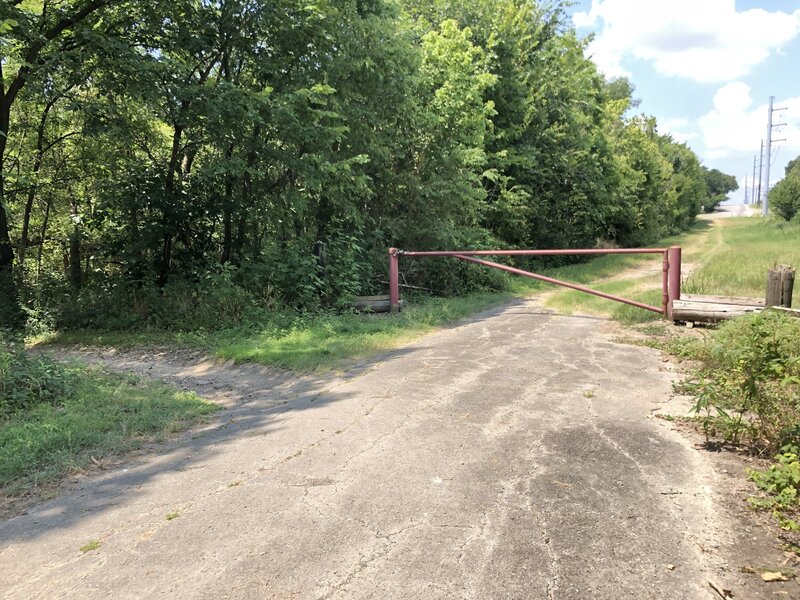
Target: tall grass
729,257
737,264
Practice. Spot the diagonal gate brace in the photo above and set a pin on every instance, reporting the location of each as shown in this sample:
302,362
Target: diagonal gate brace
574,286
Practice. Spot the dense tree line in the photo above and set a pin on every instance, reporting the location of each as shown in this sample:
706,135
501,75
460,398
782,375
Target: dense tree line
784,198
158,154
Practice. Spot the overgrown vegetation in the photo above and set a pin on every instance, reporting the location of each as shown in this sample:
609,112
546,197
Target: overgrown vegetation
27,380
95,418
746,385
733,260
750,378
784,199
190,165
781,486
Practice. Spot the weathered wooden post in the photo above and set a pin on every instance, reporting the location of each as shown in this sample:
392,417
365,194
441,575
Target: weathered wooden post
780,285
394,280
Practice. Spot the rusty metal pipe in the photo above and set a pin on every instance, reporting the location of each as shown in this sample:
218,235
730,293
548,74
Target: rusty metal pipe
533,252
674,277
665,284
566,284
394,280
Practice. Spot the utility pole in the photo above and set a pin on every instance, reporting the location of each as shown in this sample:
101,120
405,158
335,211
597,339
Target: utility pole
753,195
760,165
770,127
746,187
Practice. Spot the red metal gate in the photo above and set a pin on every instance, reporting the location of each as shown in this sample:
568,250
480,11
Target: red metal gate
670,282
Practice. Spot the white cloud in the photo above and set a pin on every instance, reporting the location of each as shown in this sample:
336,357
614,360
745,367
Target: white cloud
678,128
702,40
735,126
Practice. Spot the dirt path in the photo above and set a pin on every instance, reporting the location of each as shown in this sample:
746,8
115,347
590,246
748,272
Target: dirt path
514,456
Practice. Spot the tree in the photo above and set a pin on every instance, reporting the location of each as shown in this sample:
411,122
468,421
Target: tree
169,157
718,186
784,198
32,42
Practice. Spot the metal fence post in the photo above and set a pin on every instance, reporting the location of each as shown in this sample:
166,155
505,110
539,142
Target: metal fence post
665,283
394,280
674,276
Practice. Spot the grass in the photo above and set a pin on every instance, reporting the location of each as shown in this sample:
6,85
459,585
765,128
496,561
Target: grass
741,251
103,416
730,258
89,546
603,274
309,343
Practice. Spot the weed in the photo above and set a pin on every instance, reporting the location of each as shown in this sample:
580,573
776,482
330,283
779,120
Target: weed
174,514
236,483
781,483
28,380
291,456
748,381
707,405
89,546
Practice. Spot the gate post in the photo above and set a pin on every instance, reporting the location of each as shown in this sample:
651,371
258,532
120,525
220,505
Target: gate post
665,284
394,280
674,256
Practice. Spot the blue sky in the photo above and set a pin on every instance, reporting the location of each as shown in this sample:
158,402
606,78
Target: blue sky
705,69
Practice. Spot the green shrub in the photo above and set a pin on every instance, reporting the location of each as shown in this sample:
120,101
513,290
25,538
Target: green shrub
781,483
750,377
26,380
784,198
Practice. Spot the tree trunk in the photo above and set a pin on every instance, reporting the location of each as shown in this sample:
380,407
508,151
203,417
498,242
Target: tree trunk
167,224
227,212
37,165
75,273
41,246
241,235
10,311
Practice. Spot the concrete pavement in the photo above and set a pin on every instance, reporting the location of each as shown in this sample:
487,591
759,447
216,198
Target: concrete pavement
513,456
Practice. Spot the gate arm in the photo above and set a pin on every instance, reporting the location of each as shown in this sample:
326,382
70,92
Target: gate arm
566,284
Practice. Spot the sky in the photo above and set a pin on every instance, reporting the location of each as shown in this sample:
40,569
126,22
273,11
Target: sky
706,69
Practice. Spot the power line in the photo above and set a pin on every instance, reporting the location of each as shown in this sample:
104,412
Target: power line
770,127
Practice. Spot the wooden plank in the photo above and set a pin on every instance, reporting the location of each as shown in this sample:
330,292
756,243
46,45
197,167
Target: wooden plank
376,304
707,316
713,306
706,312
723,299
792,312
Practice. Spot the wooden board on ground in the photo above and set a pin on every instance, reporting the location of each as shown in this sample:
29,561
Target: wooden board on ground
723,300
792,312
709,312
376,304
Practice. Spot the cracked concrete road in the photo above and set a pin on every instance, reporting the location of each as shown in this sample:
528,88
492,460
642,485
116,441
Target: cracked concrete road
510,457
